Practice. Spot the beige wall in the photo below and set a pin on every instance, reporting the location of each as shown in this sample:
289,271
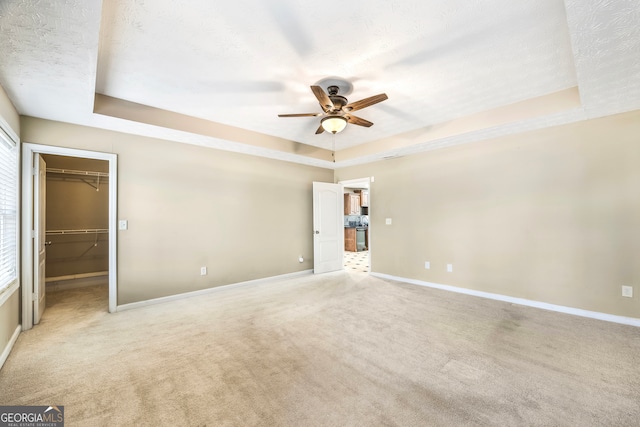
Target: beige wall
241,216
551,215
8,113
74,204
10,309
9,319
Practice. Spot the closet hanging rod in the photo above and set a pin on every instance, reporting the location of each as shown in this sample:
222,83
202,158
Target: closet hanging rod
77,172
81,231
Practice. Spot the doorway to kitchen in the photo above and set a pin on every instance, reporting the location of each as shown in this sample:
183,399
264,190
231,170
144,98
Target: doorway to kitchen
357,241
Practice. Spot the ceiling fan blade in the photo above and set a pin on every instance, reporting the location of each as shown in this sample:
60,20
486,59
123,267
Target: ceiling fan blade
323,98
358,121
300,115
363,103
320,130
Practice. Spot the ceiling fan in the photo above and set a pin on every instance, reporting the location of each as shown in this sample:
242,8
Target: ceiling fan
337,109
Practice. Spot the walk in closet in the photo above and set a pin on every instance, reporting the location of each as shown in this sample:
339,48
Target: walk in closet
77,218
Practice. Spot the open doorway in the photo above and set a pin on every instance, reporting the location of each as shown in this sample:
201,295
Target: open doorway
69,229
77,229
357,242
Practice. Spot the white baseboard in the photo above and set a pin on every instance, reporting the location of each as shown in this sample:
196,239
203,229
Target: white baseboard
81,281
161,300
520,301
9,346
76,276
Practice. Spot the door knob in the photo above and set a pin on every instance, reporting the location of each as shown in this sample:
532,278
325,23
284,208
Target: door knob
317,232
47,243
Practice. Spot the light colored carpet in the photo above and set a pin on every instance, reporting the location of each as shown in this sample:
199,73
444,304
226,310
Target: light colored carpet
338,349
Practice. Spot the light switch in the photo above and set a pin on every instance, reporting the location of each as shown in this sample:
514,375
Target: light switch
123,224
388,221
450,268
427,265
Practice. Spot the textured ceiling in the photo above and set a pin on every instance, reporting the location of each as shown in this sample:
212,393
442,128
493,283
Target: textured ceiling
218,73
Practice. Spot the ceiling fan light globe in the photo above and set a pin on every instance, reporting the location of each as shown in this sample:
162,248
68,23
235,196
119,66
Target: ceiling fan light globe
334,124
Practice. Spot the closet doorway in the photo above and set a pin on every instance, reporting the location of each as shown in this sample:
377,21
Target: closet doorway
74,215
77,224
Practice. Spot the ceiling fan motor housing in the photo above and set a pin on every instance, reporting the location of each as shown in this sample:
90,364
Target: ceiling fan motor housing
339,101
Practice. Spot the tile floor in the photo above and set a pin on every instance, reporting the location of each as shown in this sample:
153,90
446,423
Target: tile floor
356,261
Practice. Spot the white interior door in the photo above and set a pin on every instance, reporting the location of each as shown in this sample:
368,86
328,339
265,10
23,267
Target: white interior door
328,227
39,246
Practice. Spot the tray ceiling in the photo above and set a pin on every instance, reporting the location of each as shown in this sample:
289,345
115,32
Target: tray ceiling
218,73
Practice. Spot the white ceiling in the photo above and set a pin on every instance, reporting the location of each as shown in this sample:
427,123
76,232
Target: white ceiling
240,64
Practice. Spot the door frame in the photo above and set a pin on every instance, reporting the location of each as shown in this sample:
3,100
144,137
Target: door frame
26,227
355,182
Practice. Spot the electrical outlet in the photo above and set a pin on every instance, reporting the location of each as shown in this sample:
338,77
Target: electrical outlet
203,271
450,268
388,221
427,265
123,224
627,291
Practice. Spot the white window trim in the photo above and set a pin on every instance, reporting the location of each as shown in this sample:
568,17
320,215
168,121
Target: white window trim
8,137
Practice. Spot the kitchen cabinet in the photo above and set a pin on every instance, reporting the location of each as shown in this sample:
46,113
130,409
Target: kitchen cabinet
366,239
364,198
351,204
350,239
356,239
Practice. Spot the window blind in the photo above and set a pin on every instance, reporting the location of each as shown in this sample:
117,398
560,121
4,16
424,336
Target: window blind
8,210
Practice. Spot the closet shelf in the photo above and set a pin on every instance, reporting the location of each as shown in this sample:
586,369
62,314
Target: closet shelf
77,172
81,231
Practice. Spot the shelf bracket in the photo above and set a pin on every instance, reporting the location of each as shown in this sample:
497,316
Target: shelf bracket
90,184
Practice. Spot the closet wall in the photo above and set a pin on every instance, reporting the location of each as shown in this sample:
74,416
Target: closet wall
77,217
